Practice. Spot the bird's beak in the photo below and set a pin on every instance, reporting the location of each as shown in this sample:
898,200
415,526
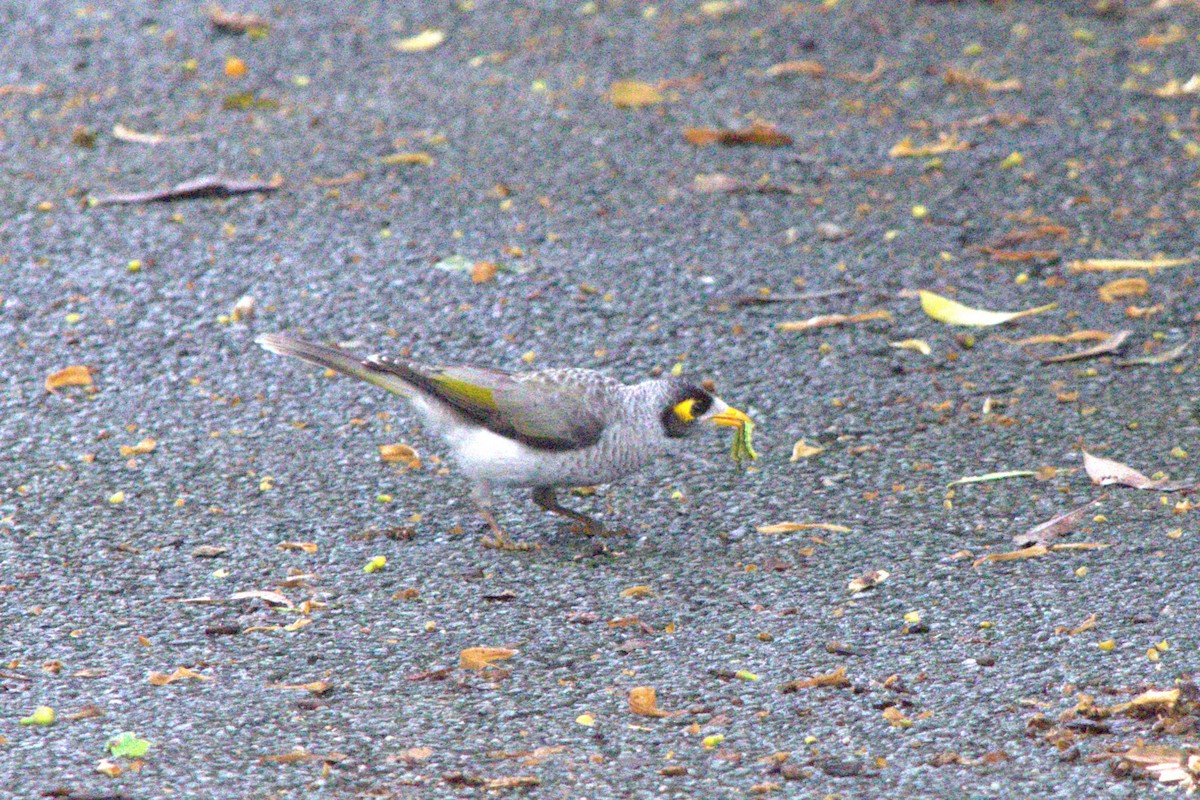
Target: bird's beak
730,417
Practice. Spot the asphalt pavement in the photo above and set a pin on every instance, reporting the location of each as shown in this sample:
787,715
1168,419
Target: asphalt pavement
987,152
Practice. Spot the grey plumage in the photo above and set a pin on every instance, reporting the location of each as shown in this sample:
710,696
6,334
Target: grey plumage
540,429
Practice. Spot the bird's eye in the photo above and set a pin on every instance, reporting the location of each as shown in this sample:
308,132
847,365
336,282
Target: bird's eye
703,403
686,410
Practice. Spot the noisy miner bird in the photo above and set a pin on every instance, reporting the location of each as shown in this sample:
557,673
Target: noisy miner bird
541,429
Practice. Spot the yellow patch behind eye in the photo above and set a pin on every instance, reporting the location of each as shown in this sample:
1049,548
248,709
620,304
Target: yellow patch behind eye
684,410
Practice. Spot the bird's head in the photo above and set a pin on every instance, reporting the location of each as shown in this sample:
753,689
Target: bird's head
688,407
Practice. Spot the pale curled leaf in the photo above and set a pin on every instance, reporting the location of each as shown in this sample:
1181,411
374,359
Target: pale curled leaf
952,312
803,449
792,527
1110,345
208,186
422,42
1025,552
1105,472
919,345
827,320
1165,357
1046,532
867,581
1113,291
400,454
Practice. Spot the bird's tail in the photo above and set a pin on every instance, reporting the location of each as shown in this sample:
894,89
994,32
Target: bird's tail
332,358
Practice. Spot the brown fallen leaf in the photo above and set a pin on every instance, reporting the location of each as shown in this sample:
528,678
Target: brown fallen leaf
638,591
1026,552
763,134
1046,532
1021,256
233,22
867,581
634,94
478,658
412,755
1061,338
305,547
896,717
77,375
208,186
836,678
400,454
1082,627
301,755
807,67
827,320
512,782
89,711
1105,471
180,674
484,271
142,448
961,77
643,701
1110,345
1113,291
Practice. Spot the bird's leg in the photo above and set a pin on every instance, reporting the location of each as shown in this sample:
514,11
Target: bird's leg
499,539
544,497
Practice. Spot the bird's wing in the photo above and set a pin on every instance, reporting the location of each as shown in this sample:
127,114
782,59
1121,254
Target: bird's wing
536,409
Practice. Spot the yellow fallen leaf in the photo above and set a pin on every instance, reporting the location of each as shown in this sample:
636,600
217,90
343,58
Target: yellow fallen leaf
945,144
920,345
1118,264
77,375
400,453
826,320
482,657
183,673
952,312
408,159
633,94
792,527
297,625
586,720
1113,291
143,447
42,715
644,702
423,41
375,564
803,449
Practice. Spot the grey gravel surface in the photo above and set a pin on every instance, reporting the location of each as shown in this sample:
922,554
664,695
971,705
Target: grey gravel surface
612,261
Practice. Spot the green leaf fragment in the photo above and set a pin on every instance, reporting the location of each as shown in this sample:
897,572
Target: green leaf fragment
128,745
42,715
742,449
